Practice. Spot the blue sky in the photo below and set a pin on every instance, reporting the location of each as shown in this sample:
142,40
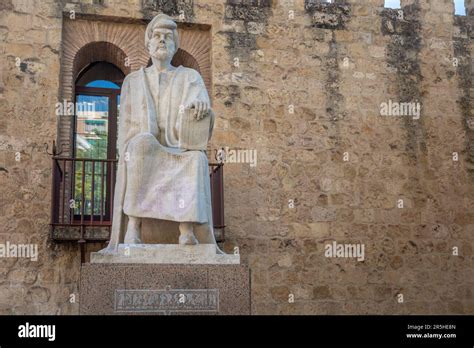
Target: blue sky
392,3
460,10
102,84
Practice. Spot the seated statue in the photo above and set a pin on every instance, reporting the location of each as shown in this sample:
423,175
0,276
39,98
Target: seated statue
164,125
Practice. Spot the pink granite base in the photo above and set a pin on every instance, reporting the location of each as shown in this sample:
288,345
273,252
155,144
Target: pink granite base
138,289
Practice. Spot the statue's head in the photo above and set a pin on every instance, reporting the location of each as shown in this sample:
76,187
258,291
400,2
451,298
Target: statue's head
161,37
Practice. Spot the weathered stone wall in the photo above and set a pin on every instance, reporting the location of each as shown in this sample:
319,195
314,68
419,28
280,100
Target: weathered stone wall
304,90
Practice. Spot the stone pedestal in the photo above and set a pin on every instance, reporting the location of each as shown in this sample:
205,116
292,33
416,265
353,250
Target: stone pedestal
166,254
165,279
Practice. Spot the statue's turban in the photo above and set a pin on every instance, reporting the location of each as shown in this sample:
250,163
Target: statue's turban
162,21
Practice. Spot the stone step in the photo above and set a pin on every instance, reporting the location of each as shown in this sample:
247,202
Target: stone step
166,254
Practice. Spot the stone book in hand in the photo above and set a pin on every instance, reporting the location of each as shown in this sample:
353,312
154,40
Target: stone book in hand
193,133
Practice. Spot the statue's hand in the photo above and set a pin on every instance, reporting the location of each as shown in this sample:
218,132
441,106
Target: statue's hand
201,109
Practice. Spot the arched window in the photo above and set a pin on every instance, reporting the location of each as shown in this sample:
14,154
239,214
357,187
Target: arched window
97,106
97,96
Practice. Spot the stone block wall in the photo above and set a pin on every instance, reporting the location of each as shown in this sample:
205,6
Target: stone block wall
302,84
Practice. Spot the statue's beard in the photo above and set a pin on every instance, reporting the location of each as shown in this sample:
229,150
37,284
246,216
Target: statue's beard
161,53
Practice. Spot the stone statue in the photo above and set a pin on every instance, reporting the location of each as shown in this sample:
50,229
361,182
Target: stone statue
164,125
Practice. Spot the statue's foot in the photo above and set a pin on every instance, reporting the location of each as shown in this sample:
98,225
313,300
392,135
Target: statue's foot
108,251
188,239
186,236
133,241
132,237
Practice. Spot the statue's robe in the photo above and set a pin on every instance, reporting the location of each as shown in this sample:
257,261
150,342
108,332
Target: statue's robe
156,179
